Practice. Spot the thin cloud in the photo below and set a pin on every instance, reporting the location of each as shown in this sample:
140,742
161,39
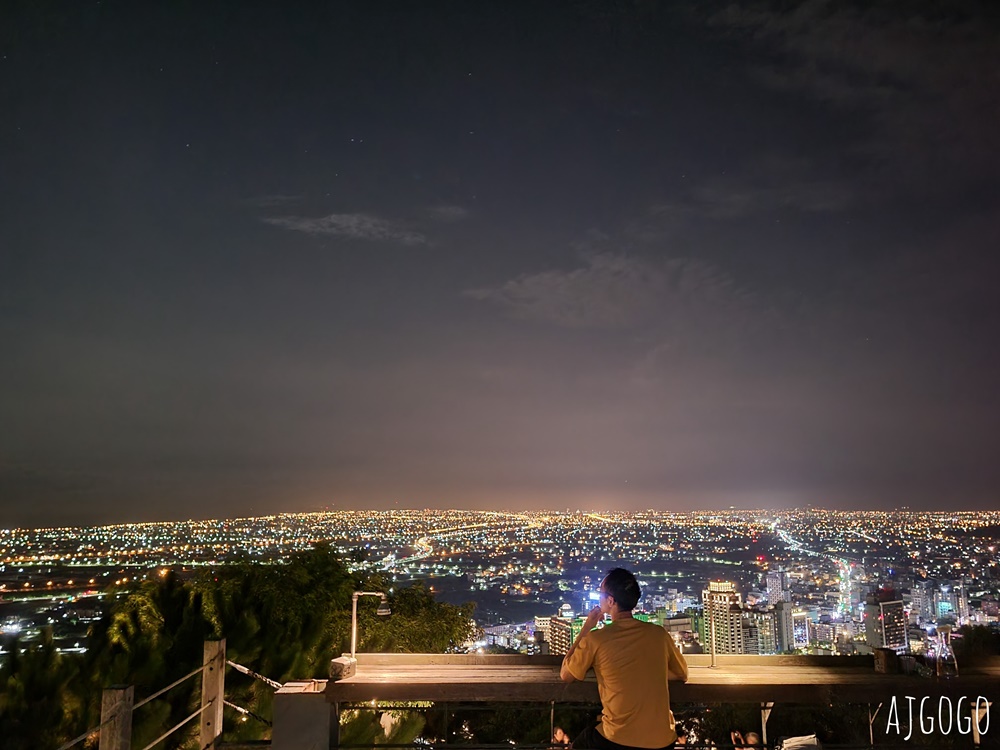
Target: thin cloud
733,199
925,80
272,201
615,291
765,183
610,291
448,213
355,226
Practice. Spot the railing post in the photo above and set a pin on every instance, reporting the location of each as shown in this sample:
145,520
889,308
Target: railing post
712,627
116,710
335,725
765,714
977,714
871,723
213,690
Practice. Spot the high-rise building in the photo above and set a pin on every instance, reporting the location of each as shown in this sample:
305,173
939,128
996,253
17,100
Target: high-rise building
751,637
800,629
822,632
951,600
562,632
776,584
767,633
784,633
560,635
542,625
723,618
962,603
885,624
921,602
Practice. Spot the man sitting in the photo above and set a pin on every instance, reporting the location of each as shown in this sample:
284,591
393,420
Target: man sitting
632,661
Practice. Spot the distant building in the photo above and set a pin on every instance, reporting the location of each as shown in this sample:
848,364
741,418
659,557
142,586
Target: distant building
784,634
921,602
776,583
962,603
723,618
822,632
679,624
953,602
765,624
800,629
562,632
751,638
885,624
542,625
560,636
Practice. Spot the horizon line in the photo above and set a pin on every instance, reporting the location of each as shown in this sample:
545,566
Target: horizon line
544,511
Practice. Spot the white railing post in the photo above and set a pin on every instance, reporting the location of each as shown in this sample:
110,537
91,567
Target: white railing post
213,690
978,712
871,723
765,714
116,717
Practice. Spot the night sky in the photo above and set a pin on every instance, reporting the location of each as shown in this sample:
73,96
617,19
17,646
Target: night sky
264,257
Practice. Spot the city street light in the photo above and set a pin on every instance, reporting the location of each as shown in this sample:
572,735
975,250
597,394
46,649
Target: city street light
383,610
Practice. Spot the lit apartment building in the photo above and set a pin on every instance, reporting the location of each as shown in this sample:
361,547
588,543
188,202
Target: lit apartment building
776,584
885,624
783,627
723,618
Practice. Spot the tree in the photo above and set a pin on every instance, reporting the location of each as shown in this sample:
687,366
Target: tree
418,624
37,707
281,620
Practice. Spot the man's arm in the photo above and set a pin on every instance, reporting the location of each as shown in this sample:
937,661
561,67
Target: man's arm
592,619
677,668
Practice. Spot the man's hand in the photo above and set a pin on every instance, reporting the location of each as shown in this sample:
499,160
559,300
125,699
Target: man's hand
593,617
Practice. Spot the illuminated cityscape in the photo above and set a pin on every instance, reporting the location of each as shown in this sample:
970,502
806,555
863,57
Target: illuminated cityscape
810,581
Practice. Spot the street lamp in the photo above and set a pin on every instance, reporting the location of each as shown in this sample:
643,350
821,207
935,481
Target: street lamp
382,611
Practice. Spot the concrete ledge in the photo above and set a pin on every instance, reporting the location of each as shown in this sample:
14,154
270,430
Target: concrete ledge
736,679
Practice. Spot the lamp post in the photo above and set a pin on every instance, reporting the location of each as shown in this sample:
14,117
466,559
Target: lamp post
382,611
712,625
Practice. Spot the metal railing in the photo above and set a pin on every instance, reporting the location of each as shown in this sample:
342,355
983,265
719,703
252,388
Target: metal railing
117,705
304,710
447,732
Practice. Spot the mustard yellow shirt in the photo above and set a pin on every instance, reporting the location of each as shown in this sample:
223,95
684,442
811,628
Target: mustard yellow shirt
633,661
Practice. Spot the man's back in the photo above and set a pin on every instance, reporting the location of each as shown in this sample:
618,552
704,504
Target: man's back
632,660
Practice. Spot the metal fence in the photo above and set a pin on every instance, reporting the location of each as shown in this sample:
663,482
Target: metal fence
118,704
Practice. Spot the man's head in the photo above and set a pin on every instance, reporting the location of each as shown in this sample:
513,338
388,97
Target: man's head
753,738
621,586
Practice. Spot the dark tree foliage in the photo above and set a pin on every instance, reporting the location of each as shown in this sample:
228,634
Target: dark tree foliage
33,711
418,624
503,722
839,722
975,642
284,621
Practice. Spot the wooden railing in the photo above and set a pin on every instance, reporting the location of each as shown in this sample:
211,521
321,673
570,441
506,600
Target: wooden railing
307,713
762,680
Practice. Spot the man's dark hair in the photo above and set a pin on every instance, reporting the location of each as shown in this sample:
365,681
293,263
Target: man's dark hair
621,584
